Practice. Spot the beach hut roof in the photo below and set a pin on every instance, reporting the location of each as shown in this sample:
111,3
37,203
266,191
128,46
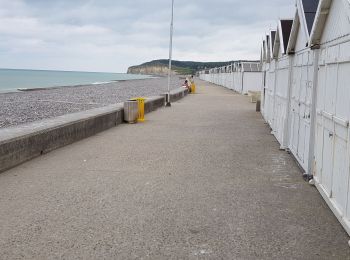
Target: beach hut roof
286,28
282,36
273,38
320,20
251,66
264,50
268,48
269,44
310,8
304,17
321,17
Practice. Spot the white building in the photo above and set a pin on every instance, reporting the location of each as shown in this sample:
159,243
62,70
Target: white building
241,76
281,96
304,67
263,79
269,87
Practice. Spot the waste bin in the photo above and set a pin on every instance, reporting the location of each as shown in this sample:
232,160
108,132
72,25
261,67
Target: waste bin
131,111
141,103
193,88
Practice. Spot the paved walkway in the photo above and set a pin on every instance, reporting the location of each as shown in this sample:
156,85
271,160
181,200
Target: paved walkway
202,180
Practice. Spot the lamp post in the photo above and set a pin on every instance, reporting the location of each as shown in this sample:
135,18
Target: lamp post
168,104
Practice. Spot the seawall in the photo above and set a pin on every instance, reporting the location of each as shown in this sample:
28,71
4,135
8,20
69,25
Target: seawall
25,142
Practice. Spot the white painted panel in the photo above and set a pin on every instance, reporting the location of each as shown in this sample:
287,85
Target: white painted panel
321,88
306,145
303,83
271,93
330,88
296,83
344,52
319,149
327,164
301,139
340,174
343,91
251,81
332,54
238,82
295,132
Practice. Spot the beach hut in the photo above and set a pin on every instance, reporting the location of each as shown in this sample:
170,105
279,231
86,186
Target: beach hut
212,75
219,80
230,77
216,76
263,80
222,76
205,75
270,79
303,71
251,77
227,75
237,78
331,37
282,82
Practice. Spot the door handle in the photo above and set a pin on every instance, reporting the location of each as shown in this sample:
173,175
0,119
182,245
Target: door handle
331,135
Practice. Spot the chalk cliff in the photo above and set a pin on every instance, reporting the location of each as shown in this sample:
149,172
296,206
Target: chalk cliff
156,69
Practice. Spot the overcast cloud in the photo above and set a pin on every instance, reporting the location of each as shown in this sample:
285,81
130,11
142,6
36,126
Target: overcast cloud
111,35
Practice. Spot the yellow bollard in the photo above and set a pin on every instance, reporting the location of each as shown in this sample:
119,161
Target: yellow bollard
141,107
193,88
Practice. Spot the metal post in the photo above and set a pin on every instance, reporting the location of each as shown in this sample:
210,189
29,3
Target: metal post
168,104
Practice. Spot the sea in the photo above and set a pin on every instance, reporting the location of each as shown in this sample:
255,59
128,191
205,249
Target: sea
12,80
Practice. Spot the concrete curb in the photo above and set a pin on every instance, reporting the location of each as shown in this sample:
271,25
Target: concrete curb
25,142
153,103
178,94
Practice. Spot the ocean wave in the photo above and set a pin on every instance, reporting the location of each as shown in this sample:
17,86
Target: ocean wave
100,83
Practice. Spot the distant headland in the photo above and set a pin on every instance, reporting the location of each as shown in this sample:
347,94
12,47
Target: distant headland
160,67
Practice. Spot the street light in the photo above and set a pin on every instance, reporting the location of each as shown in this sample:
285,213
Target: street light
168,104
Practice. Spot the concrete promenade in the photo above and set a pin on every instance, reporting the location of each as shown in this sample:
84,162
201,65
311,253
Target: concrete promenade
202,180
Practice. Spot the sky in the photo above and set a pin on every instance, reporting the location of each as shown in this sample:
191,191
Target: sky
111,35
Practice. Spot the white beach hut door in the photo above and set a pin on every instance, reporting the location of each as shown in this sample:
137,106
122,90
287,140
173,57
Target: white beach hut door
281,95
328,124
302,84
295,107
305,107
302,106
320,107
278,108
327,156
333,107
271,93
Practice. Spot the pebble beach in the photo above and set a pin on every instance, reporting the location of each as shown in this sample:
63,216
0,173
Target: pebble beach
29,106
